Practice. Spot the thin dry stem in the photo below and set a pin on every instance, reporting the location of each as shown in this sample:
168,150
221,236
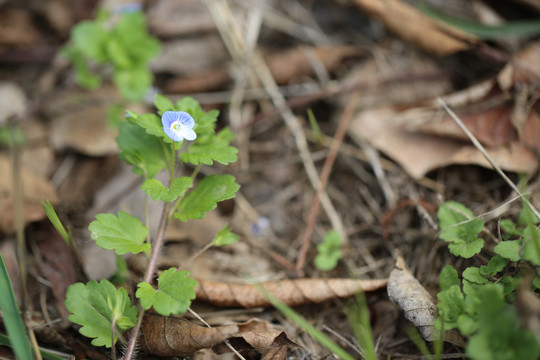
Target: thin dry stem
325,174
480,148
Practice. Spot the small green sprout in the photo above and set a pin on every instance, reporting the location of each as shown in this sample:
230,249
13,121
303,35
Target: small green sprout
329,251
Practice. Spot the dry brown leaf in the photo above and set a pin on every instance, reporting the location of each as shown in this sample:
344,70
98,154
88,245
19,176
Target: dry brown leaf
172,336
416,303
35,188
164,15
420,153
12,101
177,56
57,264
291,292
17,28
416,28
85,130
285,66
492,126
259,335
522,69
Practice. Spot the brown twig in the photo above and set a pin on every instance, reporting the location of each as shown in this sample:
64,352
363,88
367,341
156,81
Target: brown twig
325,174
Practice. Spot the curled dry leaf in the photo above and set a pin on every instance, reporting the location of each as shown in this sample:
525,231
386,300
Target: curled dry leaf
259,335
291,292
171,336
416,28
417,304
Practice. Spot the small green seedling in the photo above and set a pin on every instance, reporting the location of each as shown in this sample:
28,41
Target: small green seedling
329,251
481,304
152,143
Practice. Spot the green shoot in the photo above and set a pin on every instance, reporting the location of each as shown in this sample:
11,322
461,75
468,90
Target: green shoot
317,133
358,316
305,325
12,318
329,251
53,218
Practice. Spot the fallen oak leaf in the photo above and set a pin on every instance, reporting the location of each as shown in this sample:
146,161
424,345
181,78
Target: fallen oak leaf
291,292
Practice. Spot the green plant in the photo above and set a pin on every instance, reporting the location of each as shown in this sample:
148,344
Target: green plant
329,251
150,144
122,44
481,304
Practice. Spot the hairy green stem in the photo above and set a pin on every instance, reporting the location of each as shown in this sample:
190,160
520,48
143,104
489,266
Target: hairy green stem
179,200
152,264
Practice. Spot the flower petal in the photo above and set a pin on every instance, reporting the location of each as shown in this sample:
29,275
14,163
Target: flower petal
168,118
185,119
188,134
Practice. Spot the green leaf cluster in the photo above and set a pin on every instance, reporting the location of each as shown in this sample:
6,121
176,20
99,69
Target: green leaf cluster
480,311
460,229
329,251
522,240
480,305
126,47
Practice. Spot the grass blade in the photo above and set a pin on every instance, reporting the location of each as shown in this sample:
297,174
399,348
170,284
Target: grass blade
12,318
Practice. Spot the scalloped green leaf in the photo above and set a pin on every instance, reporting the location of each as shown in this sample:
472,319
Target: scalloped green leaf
94,305
90,38
211,190
122,234
212,148
205,122
509,249
146,153
173,296
466,249
163,104
158,191
448,277
460,228
153,126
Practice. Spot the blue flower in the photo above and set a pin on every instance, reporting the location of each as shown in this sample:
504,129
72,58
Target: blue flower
178,125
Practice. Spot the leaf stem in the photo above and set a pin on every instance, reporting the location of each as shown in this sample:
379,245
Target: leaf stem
179,200
152,264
